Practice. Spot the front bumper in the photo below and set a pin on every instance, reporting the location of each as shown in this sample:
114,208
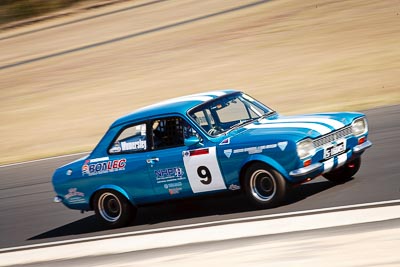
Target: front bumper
319,168
361,148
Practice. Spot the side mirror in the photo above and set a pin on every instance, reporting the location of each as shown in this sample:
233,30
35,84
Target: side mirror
193,140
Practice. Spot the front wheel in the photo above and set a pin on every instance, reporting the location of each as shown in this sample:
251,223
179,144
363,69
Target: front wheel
113,209
264,186
345,172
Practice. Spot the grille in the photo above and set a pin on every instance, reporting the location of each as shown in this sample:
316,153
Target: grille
328,138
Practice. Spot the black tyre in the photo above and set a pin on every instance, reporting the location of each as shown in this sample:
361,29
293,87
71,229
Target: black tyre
113,210
264,186
345,172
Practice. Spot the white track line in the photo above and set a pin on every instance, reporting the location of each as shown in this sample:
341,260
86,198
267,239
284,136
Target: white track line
233,230
199,225
43,159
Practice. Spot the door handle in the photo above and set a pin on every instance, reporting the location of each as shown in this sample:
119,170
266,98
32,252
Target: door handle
152,160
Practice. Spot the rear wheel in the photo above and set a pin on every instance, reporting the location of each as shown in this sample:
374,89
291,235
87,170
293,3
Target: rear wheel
264,186
345,172
113,209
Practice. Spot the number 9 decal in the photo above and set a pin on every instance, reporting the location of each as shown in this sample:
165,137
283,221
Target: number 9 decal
204,173
202,170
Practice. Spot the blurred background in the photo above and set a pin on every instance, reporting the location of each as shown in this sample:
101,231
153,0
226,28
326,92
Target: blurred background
69,68
16,10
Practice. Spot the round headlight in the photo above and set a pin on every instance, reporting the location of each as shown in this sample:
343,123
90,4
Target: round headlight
359,126
305,148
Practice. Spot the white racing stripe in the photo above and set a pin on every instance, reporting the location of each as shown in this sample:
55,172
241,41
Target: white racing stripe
321,129
203,97
328,165
331,122
341,159
232,229
216,93
212,93
200,98
194,97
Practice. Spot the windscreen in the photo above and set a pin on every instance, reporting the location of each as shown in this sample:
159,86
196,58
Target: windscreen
228,112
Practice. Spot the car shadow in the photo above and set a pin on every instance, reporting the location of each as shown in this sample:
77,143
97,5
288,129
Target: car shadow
306,190
224,204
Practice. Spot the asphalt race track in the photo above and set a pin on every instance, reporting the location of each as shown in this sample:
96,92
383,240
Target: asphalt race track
28,215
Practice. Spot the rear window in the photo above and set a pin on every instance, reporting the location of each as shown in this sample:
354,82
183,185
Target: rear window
131,139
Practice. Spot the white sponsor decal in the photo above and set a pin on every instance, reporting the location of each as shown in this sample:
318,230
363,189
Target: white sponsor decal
90,169
282,145
173,188
257,149
140,144
99,159
73,192
228,152
74,196
321,129
167,175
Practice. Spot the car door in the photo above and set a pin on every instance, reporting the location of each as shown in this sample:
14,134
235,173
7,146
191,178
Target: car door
179,170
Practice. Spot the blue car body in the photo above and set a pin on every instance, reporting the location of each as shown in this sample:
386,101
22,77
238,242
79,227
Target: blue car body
208,160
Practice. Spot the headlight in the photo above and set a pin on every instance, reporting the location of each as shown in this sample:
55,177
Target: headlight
305,148
359,126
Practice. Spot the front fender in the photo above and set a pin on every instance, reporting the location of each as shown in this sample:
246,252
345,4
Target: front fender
267,160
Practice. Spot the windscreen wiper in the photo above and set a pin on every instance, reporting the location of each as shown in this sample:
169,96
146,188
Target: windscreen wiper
265,115
241,123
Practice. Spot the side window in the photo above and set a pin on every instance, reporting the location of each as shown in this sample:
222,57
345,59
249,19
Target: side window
130,140
170,132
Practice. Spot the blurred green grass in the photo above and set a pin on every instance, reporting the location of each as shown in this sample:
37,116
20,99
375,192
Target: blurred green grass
15,10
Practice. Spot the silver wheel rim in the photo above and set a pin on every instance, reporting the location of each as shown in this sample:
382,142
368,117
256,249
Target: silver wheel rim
110,207
262,185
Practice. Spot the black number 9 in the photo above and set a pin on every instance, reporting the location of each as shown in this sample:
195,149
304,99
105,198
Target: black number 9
204,173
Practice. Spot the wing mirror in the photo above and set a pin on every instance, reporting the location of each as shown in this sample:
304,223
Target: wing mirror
193,140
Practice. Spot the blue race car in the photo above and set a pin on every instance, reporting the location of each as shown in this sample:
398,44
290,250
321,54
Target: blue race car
208,143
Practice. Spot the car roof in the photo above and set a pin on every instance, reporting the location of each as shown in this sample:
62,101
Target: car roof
174,105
